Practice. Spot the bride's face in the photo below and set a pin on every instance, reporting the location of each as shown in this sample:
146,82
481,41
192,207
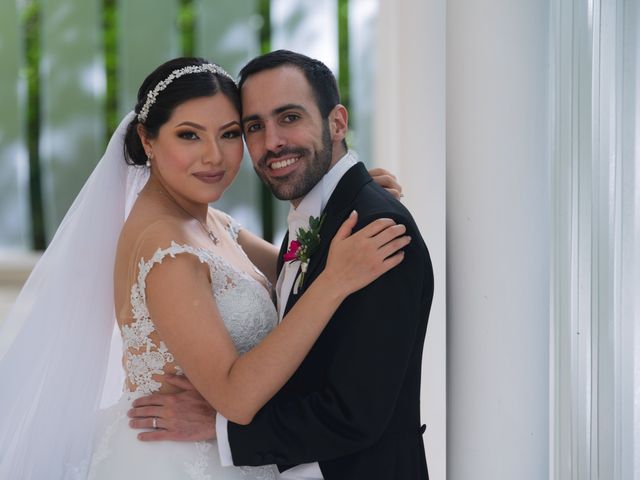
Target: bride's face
198,151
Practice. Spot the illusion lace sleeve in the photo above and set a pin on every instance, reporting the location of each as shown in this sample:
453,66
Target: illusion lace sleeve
144,354
245,307
233,227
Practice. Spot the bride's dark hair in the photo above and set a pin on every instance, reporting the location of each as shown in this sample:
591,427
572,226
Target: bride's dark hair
186,87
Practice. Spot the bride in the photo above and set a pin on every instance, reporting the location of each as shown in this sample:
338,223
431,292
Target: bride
187,294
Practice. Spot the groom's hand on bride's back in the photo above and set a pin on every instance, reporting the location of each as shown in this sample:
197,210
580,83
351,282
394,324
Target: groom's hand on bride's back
183,416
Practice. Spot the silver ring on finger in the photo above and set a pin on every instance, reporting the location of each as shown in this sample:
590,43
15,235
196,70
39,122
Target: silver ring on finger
155,423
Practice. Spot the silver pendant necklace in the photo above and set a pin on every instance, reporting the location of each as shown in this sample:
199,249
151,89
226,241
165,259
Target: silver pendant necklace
210,233
212,236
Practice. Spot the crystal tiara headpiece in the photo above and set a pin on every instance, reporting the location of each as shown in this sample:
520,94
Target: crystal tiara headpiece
152,95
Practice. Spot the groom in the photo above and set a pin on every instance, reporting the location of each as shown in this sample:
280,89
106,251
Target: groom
352,409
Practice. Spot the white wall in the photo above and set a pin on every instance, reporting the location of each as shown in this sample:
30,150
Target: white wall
498,239
409,132
493,159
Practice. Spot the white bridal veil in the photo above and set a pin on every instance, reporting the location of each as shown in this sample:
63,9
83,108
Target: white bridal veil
54,344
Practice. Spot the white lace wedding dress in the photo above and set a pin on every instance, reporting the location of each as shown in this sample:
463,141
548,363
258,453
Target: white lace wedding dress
249,314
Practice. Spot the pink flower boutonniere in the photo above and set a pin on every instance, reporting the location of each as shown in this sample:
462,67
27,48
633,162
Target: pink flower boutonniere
300,249
292,253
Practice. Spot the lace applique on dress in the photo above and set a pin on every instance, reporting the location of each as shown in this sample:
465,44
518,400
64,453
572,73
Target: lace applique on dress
260,473
103,448
245,306
233,227
197,469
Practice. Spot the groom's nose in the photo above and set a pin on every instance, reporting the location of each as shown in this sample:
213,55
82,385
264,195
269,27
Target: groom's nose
274,141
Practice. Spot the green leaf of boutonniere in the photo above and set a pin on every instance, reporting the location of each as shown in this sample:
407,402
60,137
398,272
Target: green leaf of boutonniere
309,241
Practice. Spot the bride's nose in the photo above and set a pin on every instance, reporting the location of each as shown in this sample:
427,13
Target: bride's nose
212,153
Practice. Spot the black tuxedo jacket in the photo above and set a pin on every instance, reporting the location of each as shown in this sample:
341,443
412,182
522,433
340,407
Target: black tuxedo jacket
354,403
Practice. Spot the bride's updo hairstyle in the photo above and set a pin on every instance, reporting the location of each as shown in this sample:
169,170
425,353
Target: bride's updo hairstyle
167,87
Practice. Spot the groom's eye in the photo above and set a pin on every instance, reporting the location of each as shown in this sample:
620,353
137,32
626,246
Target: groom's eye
291,117
254,127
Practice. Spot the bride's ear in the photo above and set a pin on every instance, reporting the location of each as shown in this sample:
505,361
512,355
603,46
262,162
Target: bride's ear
144,138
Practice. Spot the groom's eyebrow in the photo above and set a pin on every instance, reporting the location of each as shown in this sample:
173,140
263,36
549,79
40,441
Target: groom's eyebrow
275,111
289,106
250,118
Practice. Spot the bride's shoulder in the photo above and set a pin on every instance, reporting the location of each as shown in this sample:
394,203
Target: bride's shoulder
227,222
144,240
219,215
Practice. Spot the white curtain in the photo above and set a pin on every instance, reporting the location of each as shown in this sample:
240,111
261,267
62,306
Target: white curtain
595,289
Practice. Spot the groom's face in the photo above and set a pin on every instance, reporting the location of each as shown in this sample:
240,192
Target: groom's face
288,140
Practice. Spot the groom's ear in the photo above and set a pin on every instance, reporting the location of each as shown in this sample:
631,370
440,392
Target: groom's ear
338,123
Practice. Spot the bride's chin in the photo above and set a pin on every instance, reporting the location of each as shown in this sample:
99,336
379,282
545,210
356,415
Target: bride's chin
203,196
213,198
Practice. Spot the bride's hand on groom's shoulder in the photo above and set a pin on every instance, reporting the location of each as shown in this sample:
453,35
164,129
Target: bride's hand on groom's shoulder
356,259
183,416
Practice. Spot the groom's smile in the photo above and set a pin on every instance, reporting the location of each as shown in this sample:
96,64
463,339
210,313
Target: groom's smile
283,162
278,165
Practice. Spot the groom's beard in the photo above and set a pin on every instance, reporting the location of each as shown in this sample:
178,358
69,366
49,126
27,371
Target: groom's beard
297,184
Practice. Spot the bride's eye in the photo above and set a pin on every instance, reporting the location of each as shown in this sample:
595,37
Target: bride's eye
231,134
188,135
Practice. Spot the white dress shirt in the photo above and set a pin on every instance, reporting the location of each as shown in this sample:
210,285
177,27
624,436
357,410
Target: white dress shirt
311,205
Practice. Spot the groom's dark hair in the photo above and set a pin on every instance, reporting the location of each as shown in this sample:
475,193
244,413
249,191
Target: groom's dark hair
320,77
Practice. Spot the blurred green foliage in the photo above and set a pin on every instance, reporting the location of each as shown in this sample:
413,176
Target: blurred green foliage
186,25
110,44
266,199
31,22
343,52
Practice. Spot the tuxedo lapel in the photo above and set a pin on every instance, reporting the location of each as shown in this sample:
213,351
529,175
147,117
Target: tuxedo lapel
283,250
336,211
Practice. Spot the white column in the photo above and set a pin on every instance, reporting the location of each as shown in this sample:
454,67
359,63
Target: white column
498,239
409,133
